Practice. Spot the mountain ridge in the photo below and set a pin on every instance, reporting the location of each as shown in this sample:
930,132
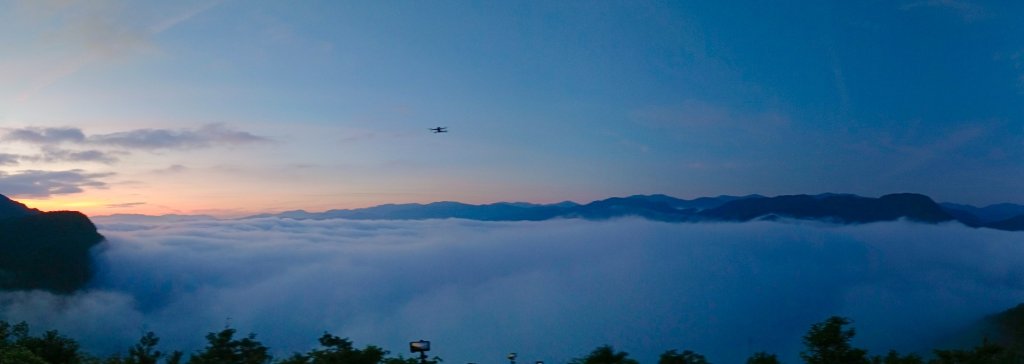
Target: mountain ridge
44,250
840,208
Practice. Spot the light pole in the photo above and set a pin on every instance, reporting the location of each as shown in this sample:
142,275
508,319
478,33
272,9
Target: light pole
512,358
421,347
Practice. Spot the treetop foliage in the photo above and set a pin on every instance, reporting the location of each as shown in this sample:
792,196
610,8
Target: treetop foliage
826,342
829,343
605,354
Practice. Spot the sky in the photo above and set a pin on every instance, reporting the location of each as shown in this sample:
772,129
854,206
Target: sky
236,107
479,290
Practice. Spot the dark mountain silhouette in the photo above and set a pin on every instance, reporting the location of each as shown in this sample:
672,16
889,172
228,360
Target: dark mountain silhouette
1015,223
833,207
1008,327
44,250
1004,328
11,208
964,217
655,207
830,207
502,211
984,215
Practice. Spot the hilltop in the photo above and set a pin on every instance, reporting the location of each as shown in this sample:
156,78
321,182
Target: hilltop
829,207
44,250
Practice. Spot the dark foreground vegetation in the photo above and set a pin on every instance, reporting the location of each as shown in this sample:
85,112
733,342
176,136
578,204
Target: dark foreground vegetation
827,342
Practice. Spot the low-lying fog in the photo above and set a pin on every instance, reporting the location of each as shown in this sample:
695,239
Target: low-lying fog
549,290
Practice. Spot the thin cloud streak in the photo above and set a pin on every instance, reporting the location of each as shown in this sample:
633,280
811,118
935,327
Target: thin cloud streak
153,139
51,154
7,159
125,205
172,169
42,184
45,136
207,136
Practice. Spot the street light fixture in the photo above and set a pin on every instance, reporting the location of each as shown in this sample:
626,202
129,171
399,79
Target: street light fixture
421,347
512,358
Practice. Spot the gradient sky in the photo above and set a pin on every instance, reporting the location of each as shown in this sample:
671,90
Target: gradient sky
232,107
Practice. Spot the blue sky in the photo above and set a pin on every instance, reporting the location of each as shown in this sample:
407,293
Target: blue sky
230,107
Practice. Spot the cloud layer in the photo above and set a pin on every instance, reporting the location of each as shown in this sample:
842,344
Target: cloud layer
34,183
548,290
138,139
45,136
72,145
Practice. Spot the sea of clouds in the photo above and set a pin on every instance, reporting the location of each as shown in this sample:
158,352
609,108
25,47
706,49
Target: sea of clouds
550,290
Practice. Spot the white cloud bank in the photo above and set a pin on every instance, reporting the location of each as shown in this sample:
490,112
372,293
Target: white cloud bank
548,290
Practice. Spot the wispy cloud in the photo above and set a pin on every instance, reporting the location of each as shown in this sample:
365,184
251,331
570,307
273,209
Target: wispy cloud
45,135
1017,58
708,125
125,205
53,154
692,115
37,184
172,169
184,16
913,151
153,139
967,10
98,31
7,159
140,139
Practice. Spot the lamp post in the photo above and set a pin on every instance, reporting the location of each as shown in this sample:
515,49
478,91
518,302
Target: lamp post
512,358
421,347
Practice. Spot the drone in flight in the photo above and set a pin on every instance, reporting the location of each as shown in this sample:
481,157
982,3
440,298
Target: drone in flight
440,129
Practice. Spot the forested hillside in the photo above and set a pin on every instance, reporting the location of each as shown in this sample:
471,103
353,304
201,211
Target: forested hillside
44,250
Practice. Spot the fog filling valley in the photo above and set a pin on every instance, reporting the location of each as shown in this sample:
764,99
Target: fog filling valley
550,290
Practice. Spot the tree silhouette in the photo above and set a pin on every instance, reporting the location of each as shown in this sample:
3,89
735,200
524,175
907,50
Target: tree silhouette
10,349
828,343
895,358
986,353
686,357
605,355
403,360
175,357
144,352
763,358
223,348
20,355
338,350
52,347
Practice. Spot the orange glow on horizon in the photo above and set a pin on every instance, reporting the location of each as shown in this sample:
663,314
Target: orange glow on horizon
155,202
94,206
58,204
88,206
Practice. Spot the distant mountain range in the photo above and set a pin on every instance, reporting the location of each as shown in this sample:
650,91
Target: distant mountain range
50,250
44,250
830,207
